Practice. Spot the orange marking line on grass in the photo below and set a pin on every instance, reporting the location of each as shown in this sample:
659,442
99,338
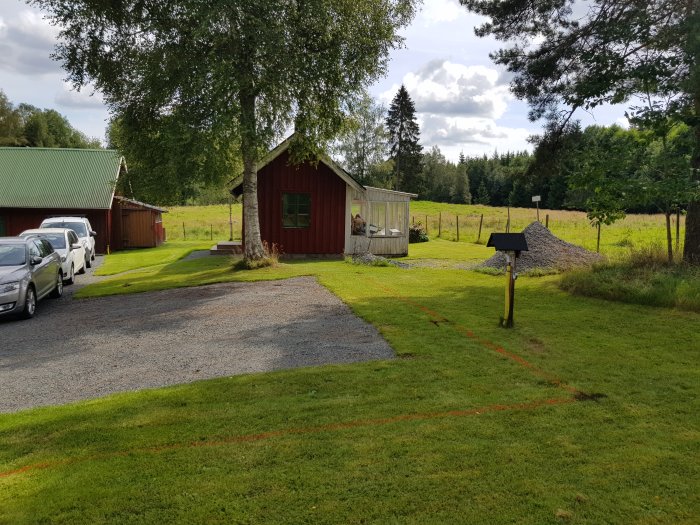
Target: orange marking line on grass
437,317
329,427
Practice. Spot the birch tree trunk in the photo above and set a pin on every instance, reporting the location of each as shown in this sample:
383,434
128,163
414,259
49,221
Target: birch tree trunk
253,243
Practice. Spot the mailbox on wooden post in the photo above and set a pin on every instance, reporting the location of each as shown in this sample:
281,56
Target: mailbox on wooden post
511,244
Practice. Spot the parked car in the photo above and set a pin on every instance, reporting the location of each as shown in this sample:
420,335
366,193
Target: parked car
30,270
65,243
81,226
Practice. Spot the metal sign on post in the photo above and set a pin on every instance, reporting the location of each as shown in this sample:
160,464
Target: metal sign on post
511,244
537,199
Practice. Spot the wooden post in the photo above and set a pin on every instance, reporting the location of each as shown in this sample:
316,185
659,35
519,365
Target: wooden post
507,321
439,224
678,228
546,221
230,219
211,232
508,221
597,246
413,220
481,222
538,211
184,235
426,225
457,228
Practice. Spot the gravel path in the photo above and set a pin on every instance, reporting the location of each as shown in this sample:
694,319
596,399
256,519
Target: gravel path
81,349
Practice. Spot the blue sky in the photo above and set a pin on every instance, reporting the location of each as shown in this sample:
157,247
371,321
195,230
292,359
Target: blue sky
462,99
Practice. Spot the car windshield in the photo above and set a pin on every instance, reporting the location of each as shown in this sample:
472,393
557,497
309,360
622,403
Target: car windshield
77,227
57,240
12,255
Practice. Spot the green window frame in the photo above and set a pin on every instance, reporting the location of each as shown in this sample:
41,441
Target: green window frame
296,210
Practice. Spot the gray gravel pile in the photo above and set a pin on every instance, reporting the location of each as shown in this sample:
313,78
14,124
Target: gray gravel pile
546,251
376,260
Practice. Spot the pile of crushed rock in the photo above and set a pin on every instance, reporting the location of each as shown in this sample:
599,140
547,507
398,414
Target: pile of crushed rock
546,251
376,260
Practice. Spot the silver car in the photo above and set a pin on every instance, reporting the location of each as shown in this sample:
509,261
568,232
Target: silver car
81,226
30,270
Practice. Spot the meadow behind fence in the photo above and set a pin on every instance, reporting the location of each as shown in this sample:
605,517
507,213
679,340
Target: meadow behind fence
454,222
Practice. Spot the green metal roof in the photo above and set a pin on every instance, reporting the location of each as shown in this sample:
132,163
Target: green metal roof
58,178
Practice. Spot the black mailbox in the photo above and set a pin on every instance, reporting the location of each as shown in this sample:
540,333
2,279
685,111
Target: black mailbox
508,242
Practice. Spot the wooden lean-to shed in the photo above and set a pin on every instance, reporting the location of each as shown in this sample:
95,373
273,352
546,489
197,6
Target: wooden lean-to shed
318,209
136,224
39,183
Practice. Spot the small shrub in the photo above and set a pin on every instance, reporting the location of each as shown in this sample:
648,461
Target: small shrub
417,233
647,256
271,258
624,243
644,277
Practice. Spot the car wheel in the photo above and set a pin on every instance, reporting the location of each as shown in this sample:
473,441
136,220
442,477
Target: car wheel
58,291
29,303
88,260
71,276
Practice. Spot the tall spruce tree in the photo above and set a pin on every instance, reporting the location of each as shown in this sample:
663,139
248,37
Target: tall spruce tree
404,148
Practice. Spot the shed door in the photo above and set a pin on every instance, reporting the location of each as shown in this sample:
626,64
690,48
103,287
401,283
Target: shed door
137,231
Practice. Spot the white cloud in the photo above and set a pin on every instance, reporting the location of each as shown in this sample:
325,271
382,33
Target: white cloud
86,98
435,11
458,108
623,122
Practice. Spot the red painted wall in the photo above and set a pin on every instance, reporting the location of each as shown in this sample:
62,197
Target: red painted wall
326,234
19,219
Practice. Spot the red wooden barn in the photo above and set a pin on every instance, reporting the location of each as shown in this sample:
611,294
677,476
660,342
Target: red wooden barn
38,183
319,209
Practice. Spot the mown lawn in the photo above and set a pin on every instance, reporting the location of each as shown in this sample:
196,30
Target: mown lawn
128,260
586,412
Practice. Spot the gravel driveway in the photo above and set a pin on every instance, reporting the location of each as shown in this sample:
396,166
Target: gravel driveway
80,349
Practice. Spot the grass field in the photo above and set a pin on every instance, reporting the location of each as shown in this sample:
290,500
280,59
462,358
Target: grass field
572,226
585,413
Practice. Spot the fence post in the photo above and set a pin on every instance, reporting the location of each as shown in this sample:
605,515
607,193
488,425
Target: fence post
413,220
211,232
439,224
481,221
546,221
184,235
457,228
426,225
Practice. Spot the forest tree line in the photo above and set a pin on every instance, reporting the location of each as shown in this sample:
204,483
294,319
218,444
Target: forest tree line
25,125
605,170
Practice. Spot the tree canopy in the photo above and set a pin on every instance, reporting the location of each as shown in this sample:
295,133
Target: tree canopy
363,141
244,71
568,55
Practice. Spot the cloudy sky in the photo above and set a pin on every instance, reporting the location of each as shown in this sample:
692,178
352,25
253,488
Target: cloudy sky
462,99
